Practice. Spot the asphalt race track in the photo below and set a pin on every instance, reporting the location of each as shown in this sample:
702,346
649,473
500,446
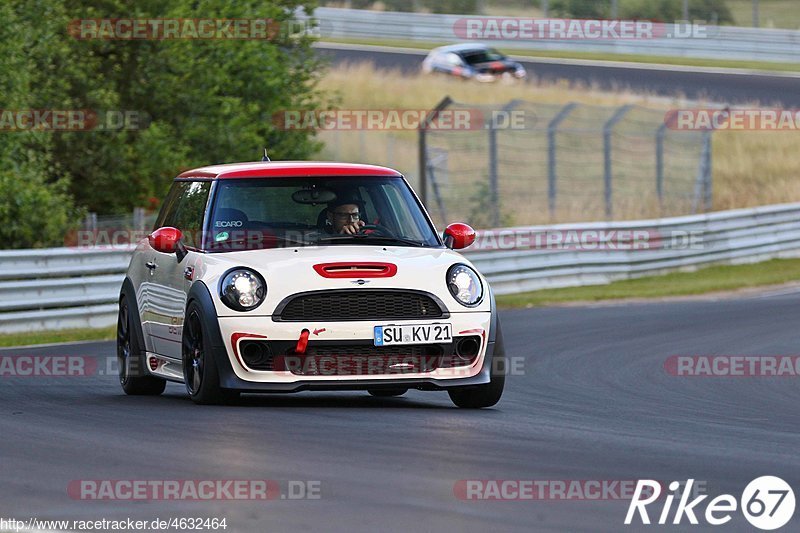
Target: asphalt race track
665,80
591,401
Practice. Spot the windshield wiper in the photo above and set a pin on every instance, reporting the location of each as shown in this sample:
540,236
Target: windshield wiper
361,237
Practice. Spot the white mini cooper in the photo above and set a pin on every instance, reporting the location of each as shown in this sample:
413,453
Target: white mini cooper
291,276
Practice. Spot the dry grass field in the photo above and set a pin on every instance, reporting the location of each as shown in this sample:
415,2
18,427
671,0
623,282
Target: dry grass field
749,167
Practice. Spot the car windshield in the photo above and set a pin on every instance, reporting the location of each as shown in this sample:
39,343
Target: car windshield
475,57
263,213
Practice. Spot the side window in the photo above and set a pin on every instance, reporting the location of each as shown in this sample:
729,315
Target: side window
188,217
170,205
400,207
453,59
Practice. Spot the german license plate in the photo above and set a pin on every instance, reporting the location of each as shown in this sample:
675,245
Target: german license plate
413,334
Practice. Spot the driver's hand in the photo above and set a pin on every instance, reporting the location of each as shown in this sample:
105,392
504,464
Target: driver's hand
352,229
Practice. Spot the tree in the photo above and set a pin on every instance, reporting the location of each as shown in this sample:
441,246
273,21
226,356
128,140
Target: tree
35,206
201,101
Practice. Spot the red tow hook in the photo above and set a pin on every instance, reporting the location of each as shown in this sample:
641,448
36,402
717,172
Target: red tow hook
302,343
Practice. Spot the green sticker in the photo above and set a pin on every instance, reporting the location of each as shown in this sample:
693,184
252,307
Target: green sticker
221,236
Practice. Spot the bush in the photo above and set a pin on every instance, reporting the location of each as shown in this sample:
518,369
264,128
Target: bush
34,214
206,101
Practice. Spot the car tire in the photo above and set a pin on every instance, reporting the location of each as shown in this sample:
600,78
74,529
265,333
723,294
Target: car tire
480,396
200,372
386,393
133,375
486,395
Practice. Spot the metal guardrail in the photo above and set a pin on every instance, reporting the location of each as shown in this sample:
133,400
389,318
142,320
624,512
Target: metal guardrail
77,288
671,244
718,42
60,288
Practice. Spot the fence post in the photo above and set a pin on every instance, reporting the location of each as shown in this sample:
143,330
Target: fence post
607,130
493,189
702,183
90,222
435,186
662,129
552,129
422,148
707,175
138,218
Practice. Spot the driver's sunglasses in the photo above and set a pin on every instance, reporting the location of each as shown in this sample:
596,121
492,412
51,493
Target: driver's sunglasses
351,216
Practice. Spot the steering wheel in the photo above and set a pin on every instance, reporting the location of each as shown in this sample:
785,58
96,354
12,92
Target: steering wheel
380,231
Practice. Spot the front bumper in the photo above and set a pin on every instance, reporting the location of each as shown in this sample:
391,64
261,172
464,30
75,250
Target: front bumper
232,375
346,335
490,77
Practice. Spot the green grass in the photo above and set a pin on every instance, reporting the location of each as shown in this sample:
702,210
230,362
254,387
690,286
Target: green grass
64,335
707,280
597,56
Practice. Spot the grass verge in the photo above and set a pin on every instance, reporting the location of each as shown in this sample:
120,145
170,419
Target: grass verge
64,335
703,281
768,66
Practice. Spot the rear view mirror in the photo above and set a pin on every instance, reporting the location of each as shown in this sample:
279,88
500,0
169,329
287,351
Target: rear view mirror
313,196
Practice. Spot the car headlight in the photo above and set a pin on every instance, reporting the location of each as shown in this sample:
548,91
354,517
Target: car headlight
242,289
465,285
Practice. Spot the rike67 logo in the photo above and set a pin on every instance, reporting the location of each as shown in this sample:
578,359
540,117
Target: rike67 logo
767,503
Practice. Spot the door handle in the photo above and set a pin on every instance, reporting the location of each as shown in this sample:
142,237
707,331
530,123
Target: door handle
151,265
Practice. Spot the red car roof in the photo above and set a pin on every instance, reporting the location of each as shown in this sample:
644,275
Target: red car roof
284,169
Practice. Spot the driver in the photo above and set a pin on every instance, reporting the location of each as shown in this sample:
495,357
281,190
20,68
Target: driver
344,216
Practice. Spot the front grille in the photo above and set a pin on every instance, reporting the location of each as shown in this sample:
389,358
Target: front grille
341,305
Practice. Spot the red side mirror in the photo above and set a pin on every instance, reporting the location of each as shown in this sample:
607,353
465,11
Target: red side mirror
458,236
165,240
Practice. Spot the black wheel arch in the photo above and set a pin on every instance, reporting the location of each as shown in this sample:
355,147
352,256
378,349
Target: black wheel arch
200,294
133,313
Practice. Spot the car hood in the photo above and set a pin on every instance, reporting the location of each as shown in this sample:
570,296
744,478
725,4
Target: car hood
289,271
